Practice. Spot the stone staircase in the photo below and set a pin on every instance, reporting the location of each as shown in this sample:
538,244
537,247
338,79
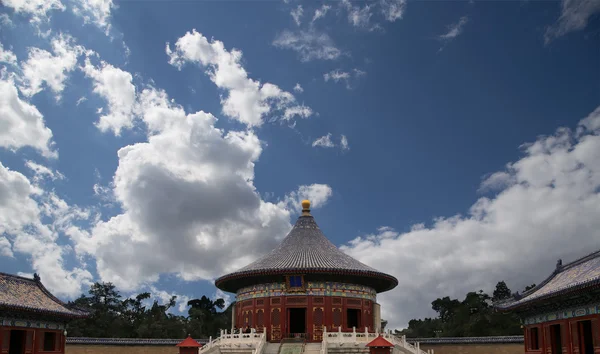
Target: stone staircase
291,348
271,348
312,348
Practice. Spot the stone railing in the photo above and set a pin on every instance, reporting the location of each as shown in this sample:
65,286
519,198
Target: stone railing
255,341
357,338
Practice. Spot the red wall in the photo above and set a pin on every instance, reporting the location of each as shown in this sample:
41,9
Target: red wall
271,312
570,336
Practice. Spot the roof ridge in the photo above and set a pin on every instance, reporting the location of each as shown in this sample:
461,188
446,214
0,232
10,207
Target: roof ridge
17,277
580,260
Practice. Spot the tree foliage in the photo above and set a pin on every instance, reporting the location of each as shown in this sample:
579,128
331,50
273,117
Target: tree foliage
139,317
472,317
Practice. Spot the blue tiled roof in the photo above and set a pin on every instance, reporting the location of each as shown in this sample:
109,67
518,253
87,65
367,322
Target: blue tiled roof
127,341
581,274
305,249
29,295
468,340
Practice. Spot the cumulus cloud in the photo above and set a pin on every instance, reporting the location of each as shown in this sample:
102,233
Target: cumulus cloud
298,88
38,9
96,12
393,9
344,143
324,141
187,195
248,100
22,207
309,45
320,12
297,14
116,87
43,67
348,78
21,124
7,56
574,16
547,210
318,194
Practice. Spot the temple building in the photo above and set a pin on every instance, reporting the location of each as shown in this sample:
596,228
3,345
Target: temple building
562,314
306,285
32,320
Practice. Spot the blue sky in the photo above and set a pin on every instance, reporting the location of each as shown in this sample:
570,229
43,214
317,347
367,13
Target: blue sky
158,145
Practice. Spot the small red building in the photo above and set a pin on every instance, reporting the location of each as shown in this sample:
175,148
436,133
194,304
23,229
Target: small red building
380,345
188,346
32,320
562,314
304,285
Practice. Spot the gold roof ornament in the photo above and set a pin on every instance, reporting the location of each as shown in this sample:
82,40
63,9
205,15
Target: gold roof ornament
306,207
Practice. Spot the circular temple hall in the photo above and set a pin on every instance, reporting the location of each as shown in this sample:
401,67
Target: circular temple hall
304,285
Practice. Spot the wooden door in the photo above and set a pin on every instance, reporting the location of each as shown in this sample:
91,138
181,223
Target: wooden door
317,318
547,339
29,341
574,327
4,340
275,324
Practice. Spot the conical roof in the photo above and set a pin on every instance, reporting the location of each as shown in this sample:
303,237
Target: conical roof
306,250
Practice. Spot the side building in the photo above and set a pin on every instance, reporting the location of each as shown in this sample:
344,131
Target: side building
32,320
562,314
304,285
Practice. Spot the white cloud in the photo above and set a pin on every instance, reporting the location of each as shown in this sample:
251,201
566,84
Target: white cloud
42,172
116,87
248,100
338,75
297,14
549,209
298,88
455,29
393,9
187,195
574,16
324,141
81,100
360,17
37,9
95,11
219,294
321,12
5,247
344,143
22,205
5,21
309,44
318,194
8,57
21,124
42,67
164,297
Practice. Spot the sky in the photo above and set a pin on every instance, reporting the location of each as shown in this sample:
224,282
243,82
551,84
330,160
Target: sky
158,145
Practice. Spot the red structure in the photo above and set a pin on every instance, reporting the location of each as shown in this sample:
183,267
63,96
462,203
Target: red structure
562,314
380,345
32,320
304,285
188,346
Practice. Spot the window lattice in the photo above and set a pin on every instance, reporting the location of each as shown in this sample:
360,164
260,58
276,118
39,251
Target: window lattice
318,316
276,317
318,300
337,317
336,301
296,300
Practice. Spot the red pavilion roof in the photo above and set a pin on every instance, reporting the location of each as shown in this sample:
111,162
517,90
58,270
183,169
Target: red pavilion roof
380,342
189,342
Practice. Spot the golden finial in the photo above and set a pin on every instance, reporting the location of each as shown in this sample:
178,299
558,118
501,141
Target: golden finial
306,207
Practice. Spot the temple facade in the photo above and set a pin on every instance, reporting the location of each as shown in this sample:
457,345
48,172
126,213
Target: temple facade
305,286
32,320
561,315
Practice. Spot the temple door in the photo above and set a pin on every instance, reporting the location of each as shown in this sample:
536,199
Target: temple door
4,341
336,318
260,320
574,337
275,324
317,316
596,335
29,341
547,339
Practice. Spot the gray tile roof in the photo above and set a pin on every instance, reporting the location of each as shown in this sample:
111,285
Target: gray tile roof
29,295
580,274
305,249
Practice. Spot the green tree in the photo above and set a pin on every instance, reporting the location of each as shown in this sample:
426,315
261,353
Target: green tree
501,292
